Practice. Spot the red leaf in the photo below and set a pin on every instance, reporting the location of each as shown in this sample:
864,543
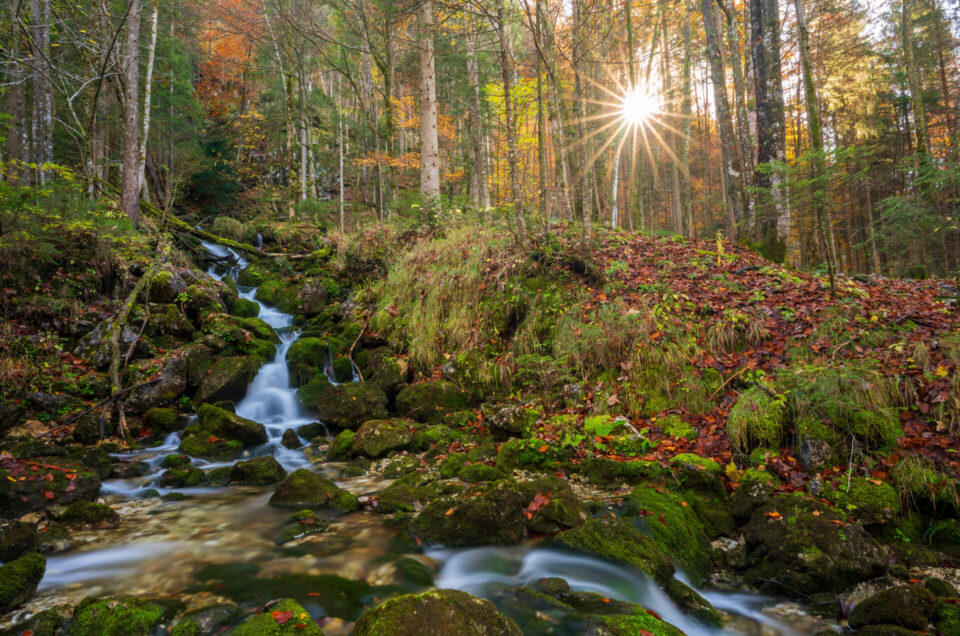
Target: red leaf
281,617
49,494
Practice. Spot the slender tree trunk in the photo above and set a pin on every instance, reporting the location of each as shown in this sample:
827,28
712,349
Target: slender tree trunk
42,87
479,188
340,149
429,141
545,207
743,123
131,121
913,81
507,68
147,88
583,198
686,124
670,136
728,142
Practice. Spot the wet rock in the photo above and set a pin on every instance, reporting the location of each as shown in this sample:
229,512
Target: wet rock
252,275
182,477
512,420
303,489
165,287
378,437
410,493
216,421
429,401
619,539
172,384
95,348
17,539
386,370
908,606
206,620
227,379
350,405
19,580
612,474
176,460
494,517
296,622
341,448
244,308
50,403
259,471
120,616
90,515
199,359
46,623
300,525
54,481
550,505
435,612
794,550
161,420
401,466
290,439
307,298
690,602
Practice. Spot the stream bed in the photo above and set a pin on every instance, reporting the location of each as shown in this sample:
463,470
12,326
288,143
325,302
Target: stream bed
219,543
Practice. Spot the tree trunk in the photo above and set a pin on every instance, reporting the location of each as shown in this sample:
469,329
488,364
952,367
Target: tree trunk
131,122
479,187
147,88
743,123
582,195
913,81
429,141
544,200
686,118
728,143
42,87
773,217
506,66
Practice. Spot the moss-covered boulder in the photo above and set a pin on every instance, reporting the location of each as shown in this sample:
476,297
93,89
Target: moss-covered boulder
674,426
618,539
531,454
306,358
378,437
310,393
690,602
341,448
269,291
350,405
198,359
210,447
33,484
91,515
182,477
16,539
290,439
259,471
433,436
244,308
476,473
610,473
19,580
252,275
494,517
227,379
386,370
285,617
429,401
756,420
756,488
410,493
306,298
796,544
161,420
512,420
304,489
870,501
698,473
910,606
670,520
120,616
550,504
435,612
205,620
222,423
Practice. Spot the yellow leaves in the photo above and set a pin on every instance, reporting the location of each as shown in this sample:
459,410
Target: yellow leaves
942,371
449,512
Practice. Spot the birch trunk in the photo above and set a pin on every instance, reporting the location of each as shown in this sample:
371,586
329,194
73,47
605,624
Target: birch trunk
131,122
147,88
429,141
42,88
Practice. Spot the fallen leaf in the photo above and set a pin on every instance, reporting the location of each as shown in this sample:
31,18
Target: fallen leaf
449,512
281,617
773,515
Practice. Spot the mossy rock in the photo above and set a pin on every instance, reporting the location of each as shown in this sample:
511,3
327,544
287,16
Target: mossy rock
910,606
120,616
269,291
161,420
669,519
45,623
513,420
479,472
386,370
452,465
244,308
290,439
756,420
698,473
610,473
46,482
947,618
869,501
302,524
555,507
222,423
199,360
252,275
603,425
210,447
690,602
307,298
759,456
402,465
304,489
90,514
341,448
756,488
350,405
429,401
259,471
941,588
205,620
410,493
306,358
378,437
619,539
674,426
16,539
19,580
530,454
227,379
431,436
792,550
436,612
310,393
285,617
494,517
182,477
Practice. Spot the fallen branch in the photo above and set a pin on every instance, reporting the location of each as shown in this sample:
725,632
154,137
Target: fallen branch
726,382
350,352
96,406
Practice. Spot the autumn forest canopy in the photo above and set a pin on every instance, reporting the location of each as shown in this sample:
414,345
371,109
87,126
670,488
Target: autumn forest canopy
543,317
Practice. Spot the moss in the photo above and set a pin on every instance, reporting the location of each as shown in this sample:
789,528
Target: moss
227,379
310,393
910,606
259,471
947,618
619,540
755,488
252,275
429,401
452,465
603,425
86,513
222,423
759,456
941,588
410,493
205,620
350,405
175,460
245,308
341,448
611,473
378,437
756,420
479,472
301,524
494,517
692,603
436,612
698,473
670,520
268,623
870,501
269,291
19,580
161,420
431,436
121,616
527,453
674,426
305,358
401,466
303,489
182,477
557,507
201,446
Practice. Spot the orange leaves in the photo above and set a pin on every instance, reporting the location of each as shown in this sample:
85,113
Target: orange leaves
449,512
539,501
281,617
774,515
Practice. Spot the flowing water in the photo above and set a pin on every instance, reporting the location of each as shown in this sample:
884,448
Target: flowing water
219,543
